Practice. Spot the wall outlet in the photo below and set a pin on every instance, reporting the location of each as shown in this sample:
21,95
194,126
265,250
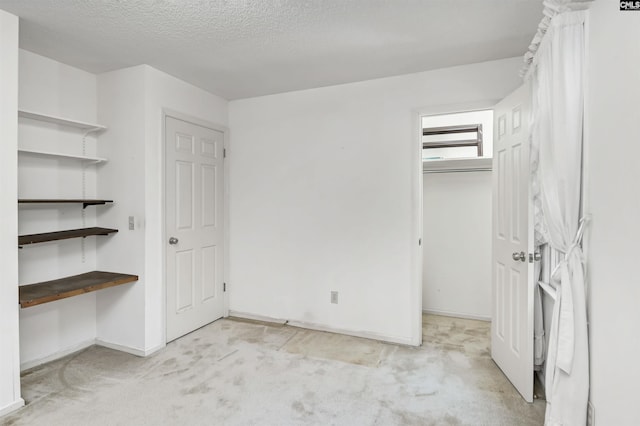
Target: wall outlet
591,415
334,297
132,223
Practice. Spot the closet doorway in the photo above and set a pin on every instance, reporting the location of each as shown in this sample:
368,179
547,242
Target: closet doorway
456,275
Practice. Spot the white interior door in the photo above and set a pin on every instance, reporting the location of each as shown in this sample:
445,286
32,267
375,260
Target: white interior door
194,226
513,285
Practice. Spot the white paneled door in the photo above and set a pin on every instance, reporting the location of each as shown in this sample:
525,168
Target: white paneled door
513,285
194,226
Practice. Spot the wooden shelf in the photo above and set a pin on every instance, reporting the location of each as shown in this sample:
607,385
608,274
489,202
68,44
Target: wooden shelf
60,155
84,202
63,235
88,127
48,291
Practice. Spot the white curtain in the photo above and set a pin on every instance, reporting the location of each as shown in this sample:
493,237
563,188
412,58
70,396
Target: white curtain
557,91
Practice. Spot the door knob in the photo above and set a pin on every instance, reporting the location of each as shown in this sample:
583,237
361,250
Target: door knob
173,240
518,256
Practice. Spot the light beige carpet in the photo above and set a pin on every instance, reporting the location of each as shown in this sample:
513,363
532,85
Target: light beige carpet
242,373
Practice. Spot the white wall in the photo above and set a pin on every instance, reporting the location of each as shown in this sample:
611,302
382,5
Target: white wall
121,309
131,103
323,197
613,149
457,244
9,334
53,88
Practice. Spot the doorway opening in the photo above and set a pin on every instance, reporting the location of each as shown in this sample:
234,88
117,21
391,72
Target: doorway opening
456,157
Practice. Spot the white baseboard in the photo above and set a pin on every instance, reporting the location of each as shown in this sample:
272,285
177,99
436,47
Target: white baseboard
457,315
364,334
128,349
57,355
253,317
61,354
18,403
329,329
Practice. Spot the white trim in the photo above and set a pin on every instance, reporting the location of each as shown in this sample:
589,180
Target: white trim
477,164
168,112
226,171
128,349
57,355
252,317
416,242
317,327
194,120
456,109
409,341
457,315
9,408
87,344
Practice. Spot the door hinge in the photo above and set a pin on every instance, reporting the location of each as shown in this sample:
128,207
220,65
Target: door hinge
224,287
224,152
419,241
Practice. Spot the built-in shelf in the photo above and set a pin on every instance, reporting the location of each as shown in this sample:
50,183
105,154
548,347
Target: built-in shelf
60,155
48,291
88,127
63,235
476,164
84,202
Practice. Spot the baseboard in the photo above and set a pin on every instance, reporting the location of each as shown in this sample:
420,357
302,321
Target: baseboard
61,354
9,408
364,334
457,315
253,317
320,327
128,349
57,355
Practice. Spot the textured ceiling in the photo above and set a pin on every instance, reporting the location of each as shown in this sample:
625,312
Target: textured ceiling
244,48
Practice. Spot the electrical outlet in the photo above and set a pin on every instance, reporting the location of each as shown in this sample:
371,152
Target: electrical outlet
334,297
591,415
132,223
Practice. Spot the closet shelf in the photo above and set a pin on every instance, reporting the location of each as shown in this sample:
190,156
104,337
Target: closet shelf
63,235
48,291
84,202
474,164
88,127
60,155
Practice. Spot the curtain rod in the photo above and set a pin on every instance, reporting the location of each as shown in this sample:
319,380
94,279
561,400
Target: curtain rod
551,9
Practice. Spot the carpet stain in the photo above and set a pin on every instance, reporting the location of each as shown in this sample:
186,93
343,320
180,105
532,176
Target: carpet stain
201,388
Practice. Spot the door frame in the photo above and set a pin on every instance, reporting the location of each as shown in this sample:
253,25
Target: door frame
167,112
417,198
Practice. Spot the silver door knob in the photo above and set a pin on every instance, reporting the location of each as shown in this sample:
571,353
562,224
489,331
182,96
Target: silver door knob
173,240
519,256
